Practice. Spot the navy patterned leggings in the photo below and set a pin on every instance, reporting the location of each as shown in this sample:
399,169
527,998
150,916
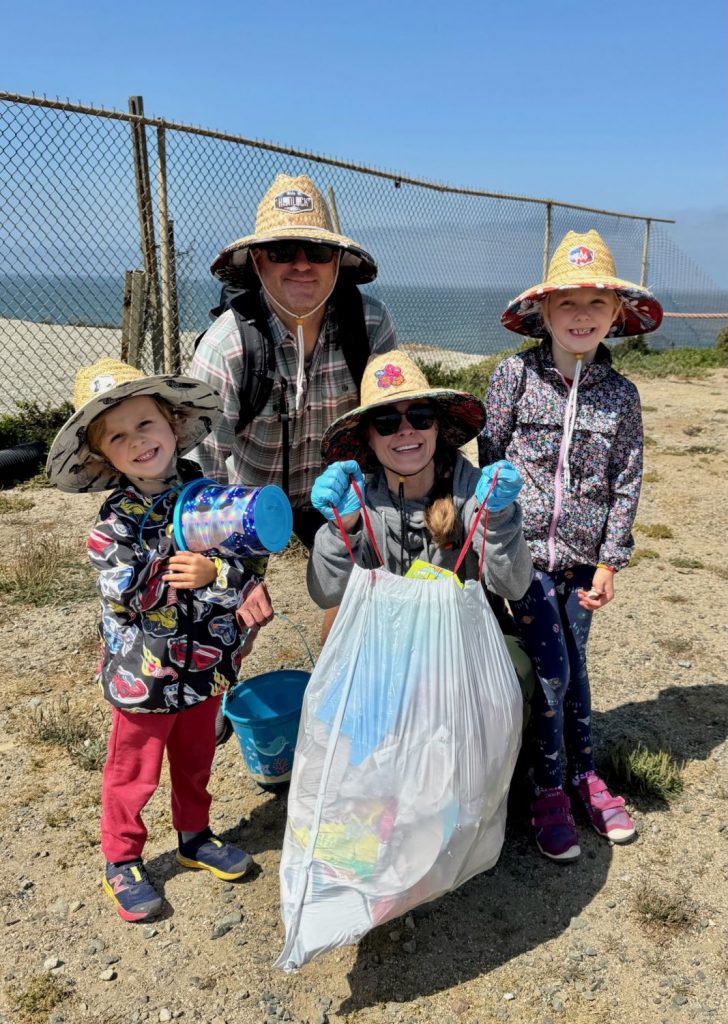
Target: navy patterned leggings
554,629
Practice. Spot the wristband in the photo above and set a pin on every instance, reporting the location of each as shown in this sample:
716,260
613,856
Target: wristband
603,565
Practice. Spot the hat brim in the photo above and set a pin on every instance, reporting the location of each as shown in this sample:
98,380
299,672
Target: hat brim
462,418
73,467
360,265
642,312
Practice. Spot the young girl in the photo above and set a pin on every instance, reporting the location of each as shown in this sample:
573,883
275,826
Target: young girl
171,640
421,493
572,426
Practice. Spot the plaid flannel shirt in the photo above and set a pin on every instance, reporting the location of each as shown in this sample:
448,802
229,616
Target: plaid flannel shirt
329,392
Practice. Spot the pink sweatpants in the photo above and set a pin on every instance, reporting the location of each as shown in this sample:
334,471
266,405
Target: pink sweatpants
134,765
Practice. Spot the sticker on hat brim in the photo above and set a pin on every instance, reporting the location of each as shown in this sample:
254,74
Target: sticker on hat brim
293,201
581,255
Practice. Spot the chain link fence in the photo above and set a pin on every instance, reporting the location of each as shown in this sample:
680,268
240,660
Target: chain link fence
111,220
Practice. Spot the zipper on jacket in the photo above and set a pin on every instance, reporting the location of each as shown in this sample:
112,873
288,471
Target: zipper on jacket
558,491
188,653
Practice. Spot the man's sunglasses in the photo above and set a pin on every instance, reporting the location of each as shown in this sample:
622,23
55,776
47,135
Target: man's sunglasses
285,252
387,422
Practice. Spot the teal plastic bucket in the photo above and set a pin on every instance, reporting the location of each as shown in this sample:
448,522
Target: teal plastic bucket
265,711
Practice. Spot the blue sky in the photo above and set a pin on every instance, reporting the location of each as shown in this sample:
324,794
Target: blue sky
557,101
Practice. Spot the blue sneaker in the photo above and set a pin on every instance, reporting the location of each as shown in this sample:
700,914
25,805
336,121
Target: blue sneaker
206,851
129,889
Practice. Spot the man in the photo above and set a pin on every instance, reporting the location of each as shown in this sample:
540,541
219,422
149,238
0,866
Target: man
296,280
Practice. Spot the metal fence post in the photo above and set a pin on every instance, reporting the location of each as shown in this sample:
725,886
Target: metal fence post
169,291
547,239
645,253
146,227
132,325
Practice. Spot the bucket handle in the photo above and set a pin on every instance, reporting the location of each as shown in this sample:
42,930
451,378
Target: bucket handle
246,634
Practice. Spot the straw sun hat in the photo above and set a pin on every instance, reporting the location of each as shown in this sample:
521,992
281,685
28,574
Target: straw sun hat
584,261
293,208
72,466
390,378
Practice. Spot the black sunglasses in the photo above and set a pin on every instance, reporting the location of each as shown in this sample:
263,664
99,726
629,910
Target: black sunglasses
285,252
387,422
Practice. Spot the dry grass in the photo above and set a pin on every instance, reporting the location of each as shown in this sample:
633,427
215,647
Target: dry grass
11,503
43,569
686,563
83,738
640,554
658,907
651,477
41,994
658,531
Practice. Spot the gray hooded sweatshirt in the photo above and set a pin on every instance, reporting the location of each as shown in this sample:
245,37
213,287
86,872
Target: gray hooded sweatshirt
507,570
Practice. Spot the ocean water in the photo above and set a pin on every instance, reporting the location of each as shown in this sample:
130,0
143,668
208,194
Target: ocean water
464,319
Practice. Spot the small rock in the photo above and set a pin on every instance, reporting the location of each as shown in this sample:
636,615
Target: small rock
685,664
409,946
590,951
59,908
75,905
51,962
508,995
395,935
611,904
409,922
110,958
26,884
578,922
96,945
679,1000
165,1014
149,932
108,975
459,1006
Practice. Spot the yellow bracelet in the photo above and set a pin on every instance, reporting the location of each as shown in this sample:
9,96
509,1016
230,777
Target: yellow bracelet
603,565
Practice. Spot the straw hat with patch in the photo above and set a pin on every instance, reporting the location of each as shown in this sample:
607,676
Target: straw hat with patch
293,208
390,378
584,261
72,466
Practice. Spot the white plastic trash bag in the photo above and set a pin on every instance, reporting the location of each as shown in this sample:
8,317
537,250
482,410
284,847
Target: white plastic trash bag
409,736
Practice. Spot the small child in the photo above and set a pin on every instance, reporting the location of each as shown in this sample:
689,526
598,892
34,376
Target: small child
171,641
572,427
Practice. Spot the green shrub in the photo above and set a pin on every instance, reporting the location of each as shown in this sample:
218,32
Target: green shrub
33,422
636,769
721,342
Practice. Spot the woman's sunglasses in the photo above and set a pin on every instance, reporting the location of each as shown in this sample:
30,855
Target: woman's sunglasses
387,422
285,252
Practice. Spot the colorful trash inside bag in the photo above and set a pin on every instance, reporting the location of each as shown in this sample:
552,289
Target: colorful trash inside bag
410,731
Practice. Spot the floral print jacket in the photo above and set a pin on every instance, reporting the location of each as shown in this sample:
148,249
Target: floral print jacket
592,521
164,649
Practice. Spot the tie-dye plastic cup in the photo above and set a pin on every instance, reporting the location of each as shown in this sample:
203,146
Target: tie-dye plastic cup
232,521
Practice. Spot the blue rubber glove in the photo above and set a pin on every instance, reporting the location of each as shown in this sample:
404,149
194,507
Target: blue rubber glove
506,489
332,489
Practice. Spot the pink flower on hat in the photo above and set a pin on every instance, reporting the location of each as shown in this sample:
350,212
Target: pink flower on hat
390,376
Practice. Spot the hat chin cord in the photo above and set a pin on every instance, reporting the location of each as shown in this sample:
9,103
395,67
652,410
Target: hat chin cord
570,418
299,318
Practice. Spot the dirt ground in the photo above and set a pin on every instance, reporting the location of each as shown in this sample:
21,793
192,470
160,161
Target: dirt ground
627,934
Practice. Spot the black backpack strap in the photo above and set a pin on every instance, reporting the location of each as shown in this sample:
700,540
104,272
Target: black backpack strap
353,338
259,365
